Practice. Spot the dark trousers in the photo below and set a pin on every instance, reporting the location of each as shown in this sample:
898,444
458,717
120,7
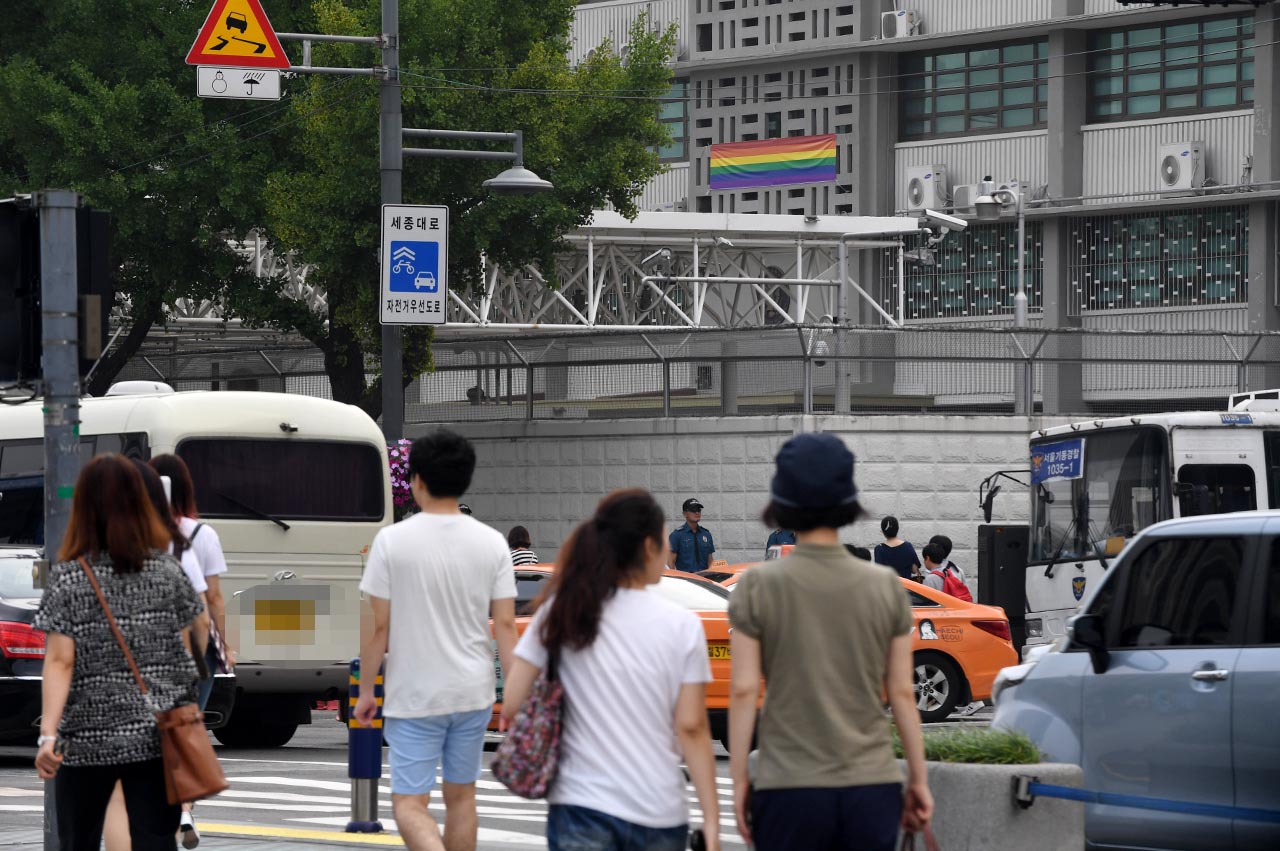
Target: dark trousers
84,791
571,828
851,818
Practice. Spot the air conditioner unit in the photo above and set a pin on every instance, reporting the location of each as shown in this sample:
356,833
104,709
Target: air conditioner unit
924,187
1180,166
900,24
963,196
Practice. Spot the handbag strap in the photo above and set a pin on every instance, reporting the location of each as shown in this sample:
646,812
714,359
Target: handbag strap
930,840
115,628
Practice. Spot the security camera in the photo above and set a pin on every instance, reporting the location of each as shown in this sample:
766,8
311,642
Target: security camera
942,220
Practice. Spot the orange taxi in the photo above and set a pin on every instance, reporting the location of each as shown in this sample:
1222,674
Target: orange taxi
707,599
959,648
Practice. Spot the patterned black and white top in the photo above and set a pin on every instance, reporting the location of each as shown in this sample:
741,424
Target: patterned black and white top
523,555
106,720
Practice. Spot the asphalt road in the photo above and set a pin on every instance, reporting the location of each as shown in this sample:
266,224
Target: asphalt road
281,793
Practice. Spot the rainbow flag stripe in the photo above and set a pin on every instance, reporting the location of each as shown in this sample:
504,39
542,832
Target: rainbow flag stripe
774,162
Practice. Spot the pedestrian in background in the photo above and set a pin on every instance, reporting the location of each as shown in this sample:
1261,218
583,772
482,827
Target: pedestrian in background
205,543
858,552
826,778
520,543
91,704
931,570
779,537
691,544
432,581
945,542
634,670
897,553
935,580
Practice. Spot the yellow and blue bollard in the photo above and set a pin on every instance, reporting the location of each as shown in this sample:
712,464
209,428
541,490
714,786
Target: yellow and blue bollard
364,758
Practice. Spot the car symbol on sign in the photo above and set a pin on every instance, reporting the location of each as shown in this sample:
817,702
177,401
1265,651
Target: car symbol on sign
425,281
237,21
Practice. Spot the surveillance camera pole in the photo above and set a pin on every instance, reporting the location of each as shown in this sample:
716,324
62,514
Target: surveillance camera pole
1023,399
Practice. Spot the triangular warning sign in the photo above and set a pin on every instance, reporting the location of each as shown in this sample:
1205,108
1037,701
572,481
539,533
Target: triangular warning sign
237,33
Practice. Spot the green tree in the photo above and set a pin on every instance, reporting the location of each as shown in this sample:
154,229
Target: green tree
477,65
94,96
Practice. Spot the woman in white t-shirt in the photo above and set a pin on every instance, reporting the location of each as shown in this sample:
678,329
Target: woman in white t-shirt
634,670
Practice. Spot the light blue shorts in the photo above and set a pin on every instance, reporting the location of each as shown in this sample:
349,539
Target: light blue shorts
420,745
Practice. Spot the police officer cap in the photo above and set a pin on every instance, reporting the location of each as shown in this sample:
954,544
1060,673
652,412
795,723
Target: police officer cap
814,471
691,504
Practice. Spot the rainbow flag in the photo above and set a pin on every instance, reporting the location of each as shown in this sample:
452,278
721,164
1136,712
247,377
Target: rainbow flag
773,162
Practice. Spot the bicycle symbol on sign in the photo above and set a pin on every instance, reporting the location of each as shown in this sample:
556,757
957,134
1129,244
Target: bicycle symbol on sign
404,258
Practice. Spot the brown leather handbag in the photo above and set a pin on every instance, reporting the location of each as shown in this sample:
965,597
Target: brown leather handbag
191,768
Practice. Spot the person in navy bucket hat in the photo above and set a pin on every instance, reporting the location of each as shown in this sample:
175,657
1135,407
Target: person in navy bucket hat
814,471
829,634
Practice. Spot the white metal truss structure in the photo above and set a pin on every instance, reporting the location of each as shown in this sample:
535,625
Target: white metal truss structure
264,262
683,271
660,271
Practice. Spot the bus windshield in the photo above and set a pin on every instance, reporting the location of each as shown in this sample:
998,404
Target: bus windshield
1092,492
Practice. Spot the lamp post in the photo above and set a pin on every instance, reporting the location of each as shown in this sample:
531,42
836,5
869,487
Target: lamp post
989,208
516,180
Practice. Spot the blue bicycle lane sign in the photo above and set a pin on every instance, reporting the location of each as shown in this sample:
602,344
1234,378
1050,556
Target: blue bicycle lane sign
414,264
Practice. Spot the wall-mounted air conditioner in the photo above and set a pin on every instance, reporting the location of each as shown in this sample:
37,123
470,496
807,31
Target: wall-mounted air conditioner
963,197
900,24
924,187
1181,166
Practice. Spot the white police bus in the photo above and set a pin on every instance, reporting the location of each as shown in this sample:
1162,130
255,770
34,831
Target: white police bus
296,488
1097,483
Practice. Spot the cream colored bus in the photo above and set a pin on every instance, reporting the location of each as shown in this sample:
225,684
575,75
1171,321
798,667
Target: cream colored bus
296,488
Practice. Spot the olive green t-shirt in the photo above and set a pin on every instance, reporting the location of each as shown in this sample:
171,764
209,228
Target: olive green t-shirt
824,620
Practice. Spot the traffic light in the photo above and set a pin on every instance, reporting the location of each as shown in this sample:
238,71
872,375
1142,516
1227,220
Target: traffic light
19,294
20,288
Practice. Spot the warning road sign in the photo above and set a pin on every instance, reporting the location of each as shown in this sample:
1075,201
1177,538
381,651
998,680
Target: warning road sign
238,34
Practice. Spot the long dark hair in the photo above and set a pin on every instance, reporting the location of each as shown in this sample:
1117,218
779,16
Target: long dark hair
155,492
182,491
600,555
111,515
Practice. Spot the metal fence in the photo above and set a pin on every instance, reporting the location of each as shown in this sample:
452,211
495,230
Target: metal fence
937,370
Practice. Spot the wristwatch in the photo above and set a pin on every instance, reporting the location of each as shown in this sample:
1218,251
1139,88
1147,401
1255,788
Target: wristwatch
42,739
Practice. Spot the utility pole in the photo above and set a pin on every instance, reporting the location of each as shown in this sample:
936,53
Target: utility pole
59,296
391,157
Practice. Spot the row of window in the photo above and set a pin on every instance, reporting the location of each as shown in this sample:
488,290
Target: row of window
1178,68
1175,259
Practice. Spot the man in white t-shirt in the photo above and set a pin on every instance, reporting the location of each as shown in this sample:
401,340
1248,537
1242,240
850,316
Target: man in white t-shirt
434,580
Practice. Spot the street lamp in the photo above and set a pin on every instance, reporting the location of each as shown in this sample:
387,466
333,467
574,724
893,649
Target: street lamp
989,208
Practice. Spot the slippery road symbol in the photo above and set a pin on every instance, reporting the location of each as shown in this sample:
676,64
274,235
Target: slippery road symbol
237,21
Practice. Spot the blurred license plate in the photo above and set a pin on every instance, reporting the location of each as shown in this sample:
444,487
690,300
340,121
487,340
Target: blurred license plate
718,651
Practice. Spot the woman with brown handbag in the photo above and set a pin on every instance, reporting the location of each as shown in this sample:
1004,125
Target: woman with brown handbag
98,725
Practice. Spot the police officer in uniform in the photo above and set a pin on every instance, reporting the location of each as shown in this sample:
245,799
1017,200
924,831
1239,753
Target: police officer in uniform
691,544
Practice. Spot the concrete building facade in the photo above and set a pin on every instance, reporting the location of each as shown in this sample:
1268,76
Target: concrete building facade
1142,139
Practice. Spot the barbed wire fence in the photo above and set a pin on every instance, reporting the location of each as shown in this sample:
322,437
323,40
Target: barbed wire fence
497,375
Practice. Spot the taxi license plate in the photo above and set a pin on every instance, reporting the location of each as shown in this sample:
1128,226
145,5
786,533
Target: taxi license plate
718,651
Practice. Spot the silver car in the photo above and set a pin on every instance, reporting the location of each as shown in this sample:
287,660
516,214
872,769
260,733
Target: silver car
1168,686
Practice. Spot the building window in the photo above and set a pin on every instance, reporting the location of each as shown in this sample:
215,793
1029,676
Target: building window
673,113
772,125
1174,259
972,273
1179,68
1001,87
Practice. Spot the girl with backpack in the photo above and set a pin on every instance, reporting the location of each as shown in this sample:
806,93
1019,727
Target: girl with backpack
634,671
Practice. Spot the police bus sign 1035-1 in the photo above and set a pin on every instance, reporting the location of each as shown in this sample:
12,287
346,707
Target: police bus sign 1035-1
415,264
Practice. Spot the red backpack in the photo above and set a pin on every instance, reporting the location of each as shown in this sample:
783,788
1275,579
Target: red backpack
952,585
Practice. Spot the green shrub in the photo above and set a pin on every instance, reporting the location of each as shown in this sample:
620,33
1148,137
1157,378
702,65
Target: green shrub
977,747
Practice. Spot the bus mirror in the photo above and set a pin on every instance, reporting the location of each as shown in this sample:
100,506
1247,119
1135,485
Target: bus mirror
989,501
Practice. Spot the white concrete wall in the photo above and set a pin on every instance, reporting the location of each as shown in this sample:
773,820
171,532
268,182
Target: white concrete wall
549,475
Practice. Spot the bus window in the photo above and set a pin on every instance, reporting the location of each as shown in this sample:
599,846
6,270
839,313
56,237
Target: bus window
1271,443
286,480
1216,489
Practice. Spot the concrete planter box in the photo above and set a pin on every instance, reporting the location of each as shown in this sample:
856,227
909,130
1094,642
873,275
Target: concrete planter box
974,808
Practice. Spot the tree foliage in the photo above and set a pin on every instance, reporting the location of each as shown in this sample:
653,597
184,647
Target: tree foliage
497,65
94,96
